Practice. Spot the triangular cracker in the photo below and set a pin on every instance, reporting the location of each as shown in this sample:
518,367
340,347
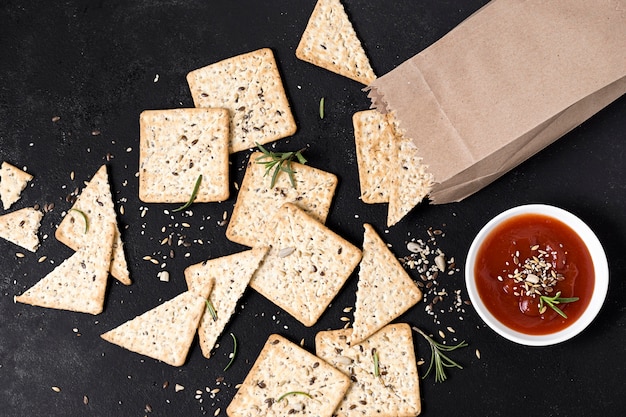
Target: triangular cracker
250,87
21,227
164,333
12,182
231,275
395,391
257,201
306,266
375,154
79,283
286,379
330,41
385,290
411,182
96,203
177,146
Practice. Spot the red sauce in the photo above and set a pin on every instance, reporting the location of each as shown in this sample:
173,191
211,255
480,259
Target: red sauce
508,247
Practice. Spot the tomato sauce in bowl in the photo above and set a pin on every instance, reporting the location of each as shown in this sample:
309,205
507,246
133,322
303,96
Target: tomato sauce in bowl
537,274
528,256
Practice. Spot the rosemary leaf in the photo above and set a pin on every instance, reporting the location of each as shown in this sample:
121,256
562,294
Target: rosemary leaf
376,364
232,355
194,193
553,301
438,359
277,162
84,216
211,308
306,394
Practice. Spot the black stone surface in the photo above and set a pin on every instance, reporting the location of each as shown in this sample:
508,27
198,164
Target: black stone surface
97,64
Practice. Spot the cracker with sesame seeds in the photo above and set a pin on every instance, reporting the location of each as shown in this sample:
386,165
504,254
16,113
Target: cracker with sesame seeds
306,266
79,283
250,87
411,181
21,227
376,149
286,379
257,200
165,332
90,213
384,290
231,274
383,370
12,182
176,147
330,41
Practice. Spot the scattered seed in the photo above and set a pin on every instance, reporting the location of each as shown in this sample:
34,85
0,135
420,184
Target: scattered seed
478,353
85,400
56,119
56,389
178,388
19,254
42,259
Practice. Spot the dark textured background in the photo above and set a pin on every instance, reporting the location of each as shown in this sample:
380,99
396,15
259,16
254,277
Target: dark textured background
94,64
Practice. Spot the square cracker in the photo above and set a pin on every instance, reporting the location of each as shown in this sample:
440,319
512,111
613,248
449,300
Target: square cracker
21,227
231,275
384,291
12,182
395,392
96,202
165,332
375,154
79,283
330,41
306,266
283,367
257,202
250,87
176,146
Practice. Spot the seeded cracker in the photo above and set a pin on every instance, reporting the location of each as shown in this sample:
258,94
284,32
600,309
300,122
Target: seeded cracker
250,87
96,202
329,41
395,392
79,283
231,275
178,145
376,154
411,181
283,367
165,332
256,201
384,292
306,266
12,182
21,226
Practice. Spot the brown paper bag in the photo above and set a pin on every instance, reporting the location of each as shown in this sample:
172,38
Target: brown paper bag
504,84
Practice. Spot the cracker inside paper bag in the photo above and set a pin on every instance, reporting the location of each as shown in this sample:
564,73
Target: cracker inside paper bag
504,84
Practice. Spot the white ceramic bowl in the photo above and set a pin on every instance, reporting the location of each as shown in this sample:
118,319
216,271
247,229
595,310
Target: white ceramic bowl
600,267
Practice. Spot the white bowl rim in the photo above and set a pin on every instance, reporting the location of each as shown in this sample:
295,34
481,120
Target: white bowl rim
600,265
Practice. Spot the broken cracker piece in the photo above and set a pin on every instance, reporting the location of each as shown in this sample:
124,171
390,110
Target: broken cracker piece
21,227
12,182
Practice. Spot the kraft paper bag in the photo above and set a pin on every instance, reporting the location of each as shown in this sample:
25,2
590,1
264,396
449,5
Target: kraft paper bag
504,84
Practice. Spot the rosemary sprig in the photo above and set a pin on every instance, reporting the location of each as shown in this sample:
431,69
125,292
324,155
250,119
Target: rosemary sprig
211,308
84,216
306,394
438,358
376,363
322,108
194,193
232,355
553,301
279,161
